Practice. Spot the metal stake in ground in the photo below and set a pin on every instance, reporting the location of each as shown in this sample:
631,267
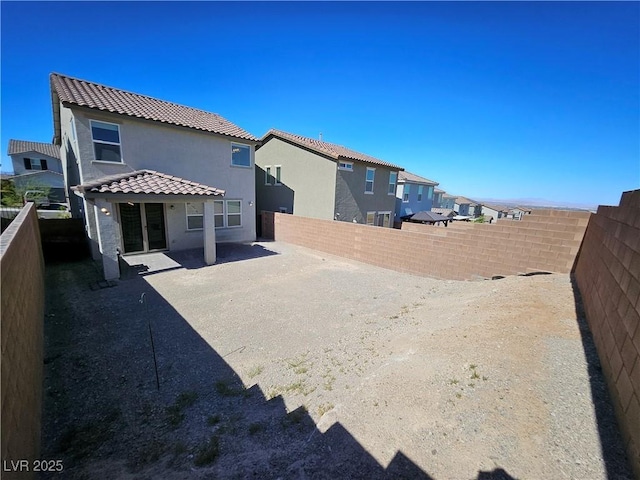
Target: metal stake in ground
143,300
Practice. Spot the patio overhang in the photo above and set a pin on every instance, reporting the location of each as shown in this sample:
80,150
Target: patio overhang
142,186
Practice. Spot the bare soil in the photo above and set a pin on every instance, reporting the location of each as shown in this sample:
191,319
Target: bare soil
294,364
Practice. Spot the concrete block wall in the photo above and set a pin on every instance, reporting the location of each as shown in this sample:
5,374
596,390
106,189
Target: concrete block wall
548,240
607,274
22,305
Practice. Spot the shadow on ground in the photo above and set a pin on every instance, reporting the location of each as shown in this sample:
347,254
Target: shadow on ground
105,417
132,266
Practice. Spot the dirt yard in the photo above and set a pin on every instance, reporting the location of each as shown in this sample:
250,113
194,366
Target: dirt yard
282,362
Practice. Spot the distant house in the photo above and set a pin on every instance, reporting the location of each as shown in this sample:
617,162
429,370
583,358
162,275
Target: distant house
35,165
318,179
495,211
151,175
466,207
437,198
518,212
413,194
448,201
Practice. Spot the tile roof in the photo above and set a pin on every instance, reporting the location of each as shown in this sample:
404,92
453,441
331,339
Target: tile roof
108,99
438,190
497,208
24,146
463,200
147,182
337,152
413,178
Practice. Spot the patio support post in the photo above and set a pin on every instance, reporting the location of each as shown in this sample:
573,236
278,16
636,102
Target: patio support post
107,238
209,231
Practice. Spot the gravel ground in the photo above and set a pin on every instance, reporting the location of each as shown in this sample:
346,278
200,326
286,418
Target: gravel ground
282,362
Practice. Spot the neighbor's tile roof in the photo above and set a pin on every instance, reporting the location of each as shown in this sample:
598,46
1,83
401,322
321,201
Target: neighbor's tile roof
413,178
24,146
438,190
147,182
337,152
463,200
443,211
93,95
497,208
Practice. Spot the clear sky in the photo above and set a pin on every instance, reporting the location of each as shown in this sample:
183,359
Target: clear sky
499,100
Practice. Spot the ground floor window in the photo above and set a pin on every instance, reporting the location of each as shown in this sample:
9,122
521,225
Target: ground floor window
195,213
227,213
384,219
371,218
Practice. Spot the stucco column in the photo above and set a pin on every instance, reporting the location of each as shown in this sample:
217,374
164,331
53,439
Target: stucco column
107,238
209,232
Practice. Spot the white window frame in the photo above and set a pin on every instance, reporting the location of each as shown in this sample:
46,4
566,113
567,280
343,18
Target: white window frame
382,215
392,185
267,175
366,180
348,166
32,162
373,220
278,175
186,209
406,192
94,141
225,213
420,192
240,145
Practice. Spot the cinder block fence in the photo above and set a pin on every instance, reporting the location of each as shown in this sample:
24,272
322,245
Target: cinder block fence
608,276
22,269
548,240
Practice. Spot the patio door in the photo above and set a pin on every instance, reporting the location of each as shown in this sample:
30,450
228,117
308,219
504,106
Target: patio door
143,227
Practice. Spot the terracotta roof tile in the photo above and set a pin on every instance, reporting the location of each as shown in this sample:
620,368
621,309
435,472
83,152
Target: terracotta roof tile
338,152
93,95
25,146
413,178
147,182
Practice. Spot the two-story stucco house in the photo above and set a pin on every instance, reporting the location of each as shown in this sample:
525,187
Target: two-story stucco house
437,197
414,194
448,201
35,165
318,179
466,207
149,175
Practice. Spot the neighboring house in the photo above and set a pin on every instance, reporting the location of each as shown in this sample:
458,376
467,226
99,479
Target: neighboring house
495,211
437,198
518,212
37,164
317,179
414,194
448,201
466,207
132,162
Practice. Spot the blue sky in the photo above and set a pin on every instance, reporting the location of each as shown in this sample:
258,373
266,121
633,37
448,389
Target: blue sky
498,100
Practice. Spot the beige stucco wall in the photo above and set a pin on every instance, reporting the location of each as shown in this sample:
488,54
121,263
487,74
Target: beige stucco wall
309,177
187,153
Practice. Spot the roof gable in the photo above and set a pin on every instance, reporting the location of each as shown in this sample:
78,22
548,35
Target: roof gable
147,182
73,91
408,177
17,147
336,152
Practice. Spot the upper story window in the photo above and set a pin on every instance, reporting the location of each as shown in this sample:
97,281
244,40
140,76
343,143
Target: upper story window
72,127
406,192
106,141
393,178
345,166
240,155
278,175
420,190
368,184
35,164
268,179
430,192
